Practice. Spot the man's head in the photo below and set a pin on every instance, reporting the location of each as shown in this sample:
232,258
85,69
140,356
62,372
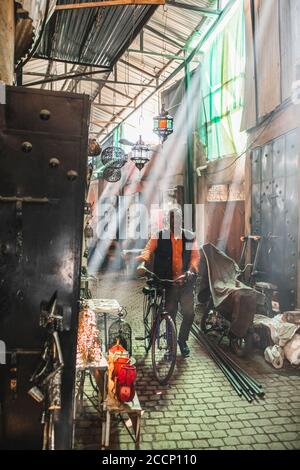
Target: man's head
173,221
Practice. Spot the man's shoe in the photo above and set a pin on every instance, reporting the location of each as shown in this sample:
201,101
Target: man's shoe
184,349
168,356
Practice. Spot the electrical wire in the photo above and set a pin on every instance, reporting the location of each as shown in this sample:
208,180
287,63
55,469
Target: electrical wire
269,119
126,87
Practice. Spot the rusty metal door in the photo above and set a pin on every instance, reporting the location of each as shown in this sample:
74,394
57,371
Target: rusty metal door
43,151
275,212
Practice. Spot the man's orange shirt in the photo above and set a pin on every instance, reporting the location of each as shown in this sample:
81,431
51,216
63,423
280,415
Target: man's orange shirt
177,266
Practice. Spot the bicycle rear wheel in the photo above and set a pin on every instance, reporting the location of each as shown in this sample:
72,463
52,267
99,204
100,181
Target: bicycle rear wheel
148,319
164,348
49,432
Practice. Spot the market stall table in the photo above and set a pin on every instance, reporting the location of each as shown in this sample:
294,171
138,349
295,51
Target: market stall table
97,371
107,405
132,409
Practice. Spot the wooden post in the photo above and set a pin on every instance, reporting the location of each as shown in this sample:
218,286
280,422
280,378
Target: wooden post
7,41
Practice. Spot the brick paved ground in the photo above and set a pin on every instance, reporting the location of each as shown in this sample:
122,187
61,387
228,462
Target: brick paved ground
199,409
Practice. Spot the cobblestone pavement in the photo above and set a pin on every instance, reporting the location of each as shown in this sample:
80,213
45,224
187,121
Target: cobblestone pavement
199,409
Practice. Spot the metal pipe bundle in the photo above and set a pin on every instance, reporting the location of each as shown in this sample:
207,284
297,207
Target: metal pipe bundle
243,383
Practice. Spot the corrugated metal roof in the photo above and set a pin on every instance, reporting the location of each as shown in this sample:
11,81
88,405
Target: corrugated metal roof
165,34
92,36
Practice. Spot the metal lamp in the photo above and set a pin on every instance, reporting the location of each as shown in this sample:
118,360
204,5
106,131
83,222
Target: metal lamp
163,124
94,148
140,154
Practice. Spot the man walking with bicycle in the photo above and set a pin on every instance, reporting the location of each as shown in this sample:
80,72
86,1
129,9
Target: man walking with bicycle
175,255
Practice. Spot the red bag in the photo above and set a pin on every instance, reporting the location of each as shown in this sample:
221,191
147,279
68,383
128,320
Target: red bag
124,393
119,363
125,383
127,374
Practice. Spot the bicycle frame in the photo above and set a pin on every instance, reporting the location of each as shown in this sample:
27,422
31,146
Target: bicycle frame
159,302
161,312
160,335
161,307
47,377
156,297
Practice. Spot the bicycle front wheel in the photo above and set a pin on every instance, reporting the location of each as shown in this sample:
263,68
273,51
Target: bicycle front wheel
164,348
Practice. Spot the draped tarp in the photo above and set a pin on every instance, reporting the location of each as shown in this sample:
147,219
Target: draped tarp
230,296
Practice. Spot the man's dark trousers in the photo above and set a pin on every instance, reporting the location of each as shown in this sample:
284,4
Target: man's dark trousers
184,296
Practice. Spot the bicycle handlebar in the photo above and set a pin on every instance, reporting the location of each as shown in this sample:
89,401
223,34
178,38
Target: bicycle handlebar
170,281
242,271
250,237
258,237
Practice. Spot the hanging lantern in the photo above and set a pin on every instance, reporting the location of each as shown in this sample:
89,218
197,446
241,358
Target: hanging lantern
88,231
111,174
140,154
115,156
120,332
94,148
163,124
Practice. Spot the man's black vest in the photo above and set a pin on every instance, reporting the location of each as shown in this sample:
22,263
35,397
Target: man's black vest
162,263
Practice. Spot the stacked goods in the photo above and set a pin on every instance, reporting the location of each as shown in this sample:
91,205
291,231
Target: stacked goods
121,374
89,352
292,317
283,333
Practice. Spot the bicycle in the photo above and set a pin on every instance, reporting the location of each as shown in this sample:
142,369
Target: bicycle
160,329
213,320
216,318
47,377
